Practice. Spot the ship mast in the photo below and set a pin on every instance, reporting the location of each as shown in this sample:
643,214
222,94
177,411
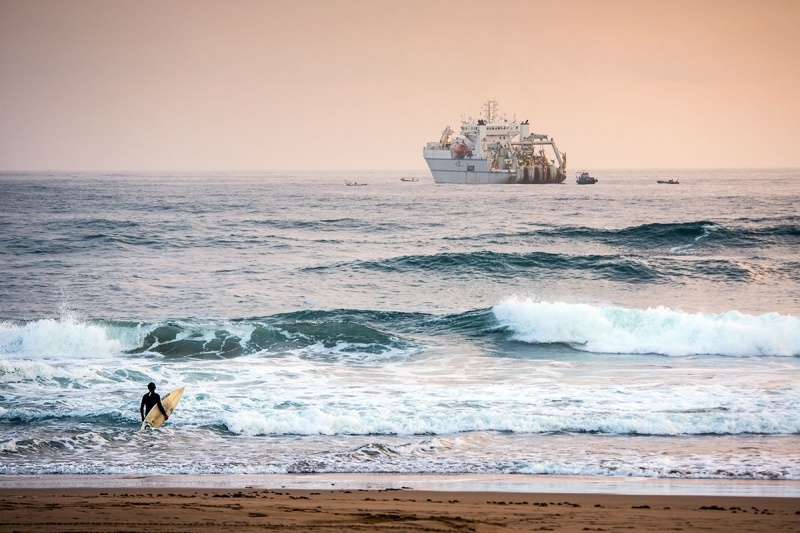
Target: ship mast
490,111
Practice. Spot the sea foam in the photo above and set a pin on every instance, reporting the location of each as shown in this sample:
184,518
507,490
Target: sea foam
50,338
657,330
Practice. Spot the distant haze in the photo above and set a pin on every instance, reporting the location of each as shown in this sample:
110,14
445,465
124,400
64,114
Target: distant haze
364,84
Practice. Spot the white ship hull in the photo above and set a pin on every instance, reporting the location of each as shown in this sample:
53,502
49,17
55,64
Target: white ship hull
445,169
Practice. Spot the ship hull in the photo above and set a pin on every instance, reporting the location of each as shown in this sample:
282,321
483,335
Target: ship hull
473,171
466,171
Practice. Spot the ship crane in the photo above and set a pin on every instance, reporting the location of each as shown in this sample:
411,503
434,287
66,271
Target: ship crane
444,141
542,140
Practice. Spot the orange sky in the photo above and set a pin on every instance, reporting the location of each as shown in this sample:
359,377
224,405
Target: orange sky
364,84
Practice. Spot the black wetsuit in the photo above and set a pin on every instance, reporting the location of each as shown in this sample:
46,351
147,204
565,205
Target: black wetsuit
150,400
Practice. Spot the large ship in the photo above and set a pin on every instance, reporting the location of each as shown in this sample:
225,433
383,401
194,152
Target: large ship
493,149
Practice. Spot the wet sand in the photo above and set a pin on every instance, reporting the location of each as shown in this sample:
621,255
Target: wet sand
396,510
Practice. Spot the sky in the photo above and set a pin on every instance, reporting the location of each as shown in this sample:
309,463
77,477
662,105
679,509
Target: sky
250,85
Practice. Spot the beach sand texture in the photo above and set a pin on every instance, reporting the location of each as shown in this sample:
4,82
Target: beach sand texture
123,510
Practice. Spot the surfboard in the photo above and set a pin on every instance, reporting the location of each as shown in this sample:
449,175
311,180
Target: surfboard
155,417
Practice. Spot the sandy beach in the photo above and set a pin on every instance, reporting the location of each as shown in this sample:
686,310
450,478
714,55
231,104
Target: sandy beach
396,510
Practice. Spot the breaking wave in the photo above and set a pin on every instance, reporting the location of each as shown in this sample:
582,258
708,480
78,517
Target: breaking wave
353,336
315,335
651,331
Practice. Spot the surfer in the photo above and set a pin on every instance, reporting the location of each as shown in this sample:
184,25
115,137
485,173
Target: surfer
150,400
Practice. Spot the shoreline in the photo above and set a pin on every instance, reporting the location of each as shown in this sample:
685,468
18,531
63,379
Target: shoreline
509,483
392,510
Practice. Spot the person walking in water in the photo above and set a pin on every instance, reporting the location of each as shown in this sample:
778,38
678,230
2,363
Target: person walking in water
150,400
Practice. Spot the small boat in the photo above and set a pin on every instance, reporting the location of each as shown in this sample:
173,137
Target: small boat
583,178
409,179
670,182
354,183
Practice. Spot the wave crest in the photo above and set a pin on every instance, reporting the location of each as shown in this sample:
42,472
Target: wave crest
657,330
325,336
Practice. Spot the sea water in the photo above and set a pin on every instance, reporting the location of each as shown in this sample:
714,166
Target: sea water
623,329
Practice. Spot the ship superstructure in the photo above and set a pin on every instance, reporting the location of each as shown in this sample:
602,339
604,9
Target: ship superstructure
493,149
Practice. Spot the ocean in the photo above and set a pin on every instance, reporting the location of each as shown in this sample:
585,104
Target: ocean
626,329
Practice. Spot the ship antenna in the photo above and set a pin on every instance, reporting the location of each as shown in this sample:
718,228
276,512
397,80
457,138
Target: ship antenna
490,108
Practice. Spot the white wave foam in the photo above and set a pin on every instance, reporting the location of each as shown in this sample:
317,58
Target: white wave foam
631,419
307,422
15,371
65,338
656,330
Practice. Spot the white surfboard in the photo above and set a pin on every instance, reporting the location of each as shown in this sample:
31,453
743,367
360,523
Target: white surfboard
155,417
